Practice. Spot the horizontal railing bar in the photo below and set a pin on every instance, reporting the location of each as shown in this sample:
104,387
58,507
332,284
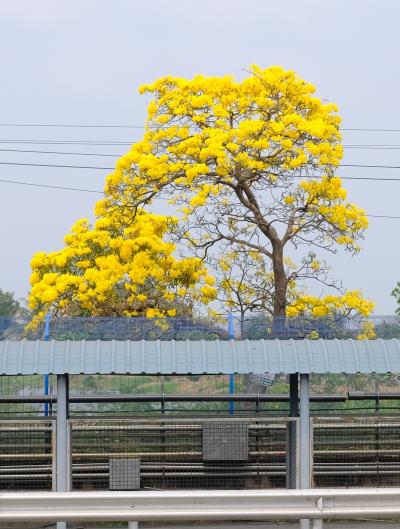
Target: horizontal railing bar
194,397
201,505
244,397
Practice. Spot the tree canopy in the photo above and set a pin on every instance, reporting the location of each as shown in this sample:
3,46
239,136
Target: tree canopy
396,295
118,269
250,167
9,306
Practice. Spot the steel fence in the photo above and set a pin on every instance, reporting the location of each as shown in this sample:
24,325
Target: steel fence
360,394
27,455
195,453
179,453
356,452
330,395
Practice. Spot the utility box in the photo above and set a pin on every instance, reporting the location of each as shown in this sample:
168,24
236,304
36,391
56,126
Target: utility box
225,441
124,474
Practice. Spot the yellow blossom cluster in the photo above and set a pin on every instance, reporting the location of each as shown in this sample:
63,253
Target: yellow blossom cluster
367,331
350,303
205,129
325,198
215,139
116,269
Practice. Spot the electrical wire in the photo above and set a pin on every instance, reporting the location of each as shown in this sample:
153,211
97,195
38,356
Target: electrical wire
61,152
369,166
18,182
368,129
72,126
374,147
101,193
115,155
117,142
128,126
64,142
98,167
105,168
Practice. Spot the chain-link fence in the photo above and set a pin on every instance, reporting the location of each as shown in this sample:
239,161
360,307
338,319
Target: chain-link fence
223,327
27,455
179,454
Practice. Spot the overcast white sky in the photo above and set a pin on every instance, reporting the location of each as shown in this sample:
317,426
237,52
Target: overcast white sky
81,61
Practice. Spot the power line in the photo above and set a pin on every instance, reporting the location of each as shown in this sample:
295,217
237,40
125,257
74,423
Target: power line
367,166
120,143
17,182
372,147
128,126
369,130
82,190
60,152
366,178
114,155
103,168
64,142
72,126
59,165
384,216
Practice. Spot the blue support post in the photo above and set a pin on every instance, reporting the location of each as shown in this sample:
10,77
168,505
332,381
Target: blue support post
46,377
231,332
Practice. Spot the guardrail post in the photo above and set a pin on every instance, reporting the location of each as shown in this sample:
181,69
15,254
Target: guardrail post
305,468
62,439
133,525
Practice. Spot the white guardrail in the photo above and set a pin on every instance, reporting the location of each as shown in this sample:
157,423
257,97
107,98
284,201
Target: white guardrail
317,504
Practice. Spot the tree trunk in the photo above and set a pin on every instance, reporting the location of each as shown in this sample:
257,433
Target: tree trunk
280,281
242,314
280,291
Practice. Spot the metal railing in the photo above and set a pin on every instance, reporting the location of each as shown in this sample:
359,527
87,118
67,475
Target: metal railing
346,452
356,451
155,506
182,453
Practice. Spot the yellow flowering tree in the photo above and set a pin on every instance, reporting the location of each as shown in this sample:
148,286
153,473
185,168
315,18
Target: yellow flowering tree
245,284
245,287
250,164
114,269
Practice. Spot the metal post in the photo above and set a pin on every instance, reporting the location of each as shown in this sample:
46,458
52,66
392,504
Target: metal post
305,470
46,377
292,431
318,524
62,438
231,332
133,525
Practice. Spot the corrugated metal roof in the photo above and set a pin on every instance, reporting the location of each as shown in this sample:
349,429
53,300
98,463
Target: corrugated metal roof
198,357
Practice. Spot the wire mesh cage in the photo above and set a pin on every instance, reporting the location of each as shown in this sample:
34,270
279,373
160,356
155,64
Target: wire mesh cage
356,452
27,455
181,454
